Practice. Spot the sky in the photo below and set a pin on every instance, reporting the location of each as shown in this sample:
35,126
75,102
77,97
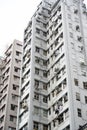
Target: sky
14,17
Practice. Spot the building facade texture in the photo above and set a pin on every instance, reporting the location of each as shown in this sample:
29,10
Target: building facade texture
54,68
10,67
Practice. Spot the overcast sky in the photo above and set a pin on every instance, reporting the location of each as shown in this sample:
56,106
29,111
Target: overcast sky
14,17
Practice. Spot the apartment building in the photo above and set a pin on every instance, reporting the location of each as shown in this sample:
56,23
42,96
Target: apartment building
10,67
54,68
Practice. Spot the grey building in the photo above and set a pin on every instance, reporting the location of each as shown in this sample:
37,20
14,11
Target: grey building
54,68
9,85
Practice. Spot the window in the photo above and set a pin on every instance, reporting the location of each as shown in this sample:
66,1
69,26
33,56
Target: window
45,113
37,71
36,110
11,128
44,63
37,30
76,82
70,25
14,97
17,53
36,83
37,49
71,35
44,34
25,127
44,25
45,127
45,99
36,96
75,11
12,118
44,73
16,69
85,85
35,125
44,52
16,77
13,107
15,87
1,119
49,111
78,96
86,99
79,112
44,86
54,123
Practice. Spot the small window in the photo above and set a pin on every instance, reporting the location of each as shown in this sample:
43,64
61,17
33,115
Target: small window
37,71
44,63
45,127
45,99
16,69
36,96
75,11
44,52
14,87
11,118
78,96
76,82
36,110
85,85
13,107
45,86
45,113
37,49
17,53
37,30
11,128
44,73
86,99
44,34
71,34
49,111
79,112
35,126
36,83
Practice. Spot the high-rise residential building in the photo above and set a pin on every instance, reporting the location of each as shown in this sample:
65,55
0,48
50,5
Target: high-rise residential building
10,67
54,68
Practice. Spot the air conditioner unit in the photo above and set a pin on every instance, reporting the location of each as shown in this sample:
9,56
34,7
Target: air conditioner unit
59,17
55,41
28,54
60,89
80,38
82,63
56,69
54,23
54,32
77,27
24,104
60,103
0,94
76,11
56,53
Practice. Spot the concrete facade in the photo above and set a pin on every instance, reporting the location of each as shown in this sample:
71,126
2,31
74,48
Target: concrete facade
54,68
9,86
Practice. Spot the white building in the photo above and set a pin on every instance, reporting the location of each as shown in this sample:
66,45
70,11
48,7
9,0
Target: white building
9,85
54,70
